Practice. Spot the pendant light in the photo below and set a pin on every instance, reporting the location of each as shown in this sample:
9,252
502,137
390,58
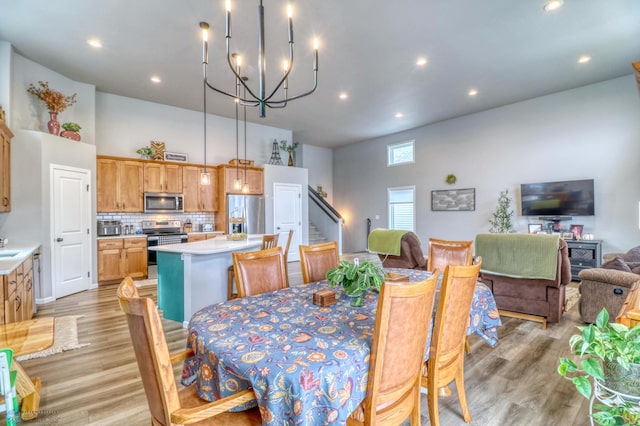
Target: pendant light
205,177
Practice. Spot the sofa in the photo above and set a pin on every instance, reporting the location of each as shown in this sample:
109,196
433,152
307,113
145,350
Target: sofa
609,285
404,251
527,273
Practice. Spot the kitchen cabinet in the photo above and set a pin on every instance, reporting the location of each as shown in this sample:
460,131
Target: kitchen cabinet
121,257
198,197
254,179
5,163
159,177
196,237
119,185
18,293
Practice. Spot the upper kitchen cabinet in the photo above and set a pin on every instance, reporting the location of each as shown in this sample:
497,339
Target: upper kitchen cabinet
198,197
5,163
160,177
119,185
254,179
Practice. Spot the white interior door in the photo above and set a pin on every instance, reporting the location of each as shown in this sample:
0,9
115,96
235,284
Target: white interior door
71,202
287,214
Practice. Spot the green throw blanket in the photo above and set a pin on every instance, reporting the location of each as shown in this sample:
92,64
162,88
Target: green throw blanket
386,241
519,255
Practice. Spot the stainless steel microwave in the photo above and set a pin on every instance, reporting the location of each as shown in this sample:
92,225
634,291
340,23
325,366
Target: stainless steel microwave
162,202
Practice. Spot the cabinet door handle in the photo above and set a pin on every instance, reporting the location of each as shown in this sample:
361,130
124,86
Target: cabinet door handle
5,201
29,284
18,303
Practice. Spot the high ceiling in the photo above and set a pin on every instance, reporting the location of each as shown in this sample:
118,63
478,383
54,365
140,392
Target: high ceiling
507,50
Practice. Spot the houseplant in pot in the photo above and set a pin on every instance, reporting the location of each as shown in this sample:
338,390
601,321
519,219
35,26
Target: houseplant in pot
610,354
356,278
71,131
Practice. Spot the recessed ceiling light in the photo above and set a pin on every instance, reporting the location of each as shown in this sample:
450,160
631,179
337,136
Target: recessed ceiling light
155,79
551,5
399,115
94,42
473,92
343,95
584,59
421,61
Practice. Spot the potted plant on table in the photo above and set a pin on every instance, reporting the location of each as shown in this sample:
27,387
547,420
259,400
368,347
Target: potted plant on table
610,354
356,278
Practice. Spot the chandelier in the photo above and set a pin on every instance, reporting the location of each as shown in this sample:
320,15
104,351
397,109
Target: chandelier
259,98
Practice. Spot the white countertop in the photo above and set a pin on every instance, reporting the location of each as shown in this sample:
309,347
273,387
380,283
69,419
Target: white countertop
119,237
205,232
14,253
216,245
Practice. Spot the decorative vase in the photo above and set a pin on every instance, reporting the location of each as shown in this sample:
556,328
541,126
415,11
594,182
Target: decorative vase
53,125
290,159
70,135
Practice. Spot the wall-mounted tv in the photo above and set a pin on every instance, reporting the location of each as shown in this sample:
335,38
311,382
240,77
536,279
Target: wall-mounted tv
566,198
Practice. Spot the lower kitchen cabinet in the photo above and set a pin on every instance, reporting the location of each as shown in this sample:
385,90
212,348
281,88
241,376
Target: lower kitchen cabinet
18,293
121,257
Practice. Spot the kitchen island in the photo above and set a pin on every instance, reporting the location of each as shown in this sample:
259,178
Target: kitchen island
194,275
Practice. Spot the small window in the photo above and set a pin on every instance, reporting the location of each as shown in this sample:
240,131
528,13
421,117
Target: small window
401,208
400,153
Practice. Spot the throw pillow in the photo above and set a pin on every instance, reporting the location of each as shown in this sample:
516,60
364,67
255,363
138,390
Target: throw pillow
633,255
618,264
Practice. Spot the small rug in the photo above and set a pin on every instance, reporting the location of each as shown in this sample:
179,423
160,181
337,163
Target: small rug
146,283
571,295
65,337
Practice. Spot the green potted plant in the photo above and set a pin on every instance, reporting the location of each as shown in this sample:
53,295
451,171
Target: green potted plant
610,354
146,152
71,131
290,149
356,278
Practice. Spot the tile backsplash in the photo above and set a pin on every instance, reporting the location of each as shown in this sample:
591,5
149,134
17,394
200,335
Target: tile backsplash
135,219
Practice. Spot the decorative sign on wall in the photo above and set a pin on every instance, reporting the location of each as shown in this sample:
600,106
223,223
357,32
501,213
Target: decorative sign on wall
158,147
176,156
453,200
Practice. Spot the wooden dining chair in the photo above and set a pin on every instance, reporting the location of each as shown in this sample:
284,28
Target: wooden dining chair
446,356
268,241
403,320
317,259
167,405
443,253
286,255
259,271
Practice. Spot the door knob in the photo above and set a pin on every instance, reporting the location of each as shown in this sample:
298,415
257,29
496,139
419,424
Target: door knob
59,240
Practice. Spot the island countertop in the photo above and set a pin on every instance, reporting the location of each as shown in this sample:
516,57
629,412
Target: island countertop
211,246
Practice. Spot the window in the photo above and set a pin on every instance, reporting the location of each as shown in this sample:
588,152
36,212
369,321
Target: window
401,214
400,153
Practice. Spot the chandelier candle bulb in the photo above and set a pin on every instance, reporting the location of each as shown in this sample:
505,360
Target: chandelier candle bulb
315,58
228,20
290,13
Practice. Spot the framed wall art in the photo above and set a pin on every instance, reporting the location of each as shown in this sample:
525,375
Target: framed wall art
535,228
453,199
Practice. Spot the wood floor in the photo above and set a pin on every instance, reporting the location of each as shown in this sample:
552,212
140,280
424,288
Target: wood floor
513,384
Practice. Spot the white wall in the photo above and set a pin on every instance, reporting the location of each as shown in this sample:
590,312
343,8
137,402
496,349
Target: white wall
6,59
319,162
589,132
126,124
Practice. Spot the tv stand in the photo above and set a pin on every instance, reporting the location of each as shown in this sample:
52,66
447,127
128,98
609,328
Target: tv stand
556,221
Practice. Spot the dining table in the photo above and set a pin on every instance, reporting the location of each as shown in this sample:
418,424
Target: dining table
307,364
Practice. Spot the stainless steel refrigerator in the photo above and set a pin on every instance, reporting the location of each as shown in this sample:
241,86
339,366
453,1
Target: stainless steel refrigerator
245,213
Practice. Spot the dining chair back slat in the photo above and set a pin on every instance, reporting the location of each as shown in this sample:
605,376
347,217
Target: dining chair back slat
317,259
403,320
446,357
443,253
260,271
166,404
268,241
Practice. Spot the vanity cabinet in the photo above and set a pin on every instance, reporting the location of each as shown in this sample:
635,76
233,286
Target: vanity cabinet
5,163
198,197
18,293
121,257
160,177
119,185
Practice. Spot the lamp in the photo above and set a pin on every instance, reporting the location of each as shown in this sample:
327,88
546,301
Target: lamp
205,177
261,99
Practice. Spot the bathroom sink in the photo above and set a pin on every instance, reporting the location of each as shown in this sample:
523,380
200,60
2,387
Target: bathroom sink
8,253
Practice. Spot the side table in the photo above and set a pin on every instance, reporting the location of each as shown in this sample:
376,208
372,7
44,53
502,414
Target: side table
609,397
584,254
27,337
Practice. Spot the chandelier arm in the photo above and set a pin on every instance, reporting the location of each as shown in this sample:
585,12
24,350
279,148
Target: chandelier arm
238,77
285,76
273,104
222,92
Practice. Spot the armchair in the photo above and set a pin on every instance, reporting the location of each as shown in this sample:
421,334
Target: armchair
410,255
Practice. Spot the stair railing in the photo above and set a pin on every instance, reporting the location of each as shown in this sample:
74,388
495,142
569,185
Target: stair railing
325,218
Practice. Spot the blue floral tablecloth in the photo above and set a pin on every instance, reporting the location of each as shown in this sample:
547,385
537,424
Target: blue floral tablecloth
307,364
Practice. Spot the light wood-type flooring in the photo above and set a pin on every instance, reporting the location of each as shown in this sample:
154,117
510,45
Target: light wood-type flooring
515,383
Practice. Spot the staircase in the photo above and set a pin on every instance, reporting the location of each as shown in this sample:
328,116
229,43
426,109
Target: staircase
315,237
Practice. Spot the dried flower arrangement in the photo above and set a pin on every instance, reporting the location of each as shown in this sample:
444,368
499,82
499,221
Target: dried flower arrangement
54,100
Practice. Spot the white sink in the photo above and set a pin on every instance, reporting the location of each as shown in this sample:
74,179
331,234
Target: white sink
8,253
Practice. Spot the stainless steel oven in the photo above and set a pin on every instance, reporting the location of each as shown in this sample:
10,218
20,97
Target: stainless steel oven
161,233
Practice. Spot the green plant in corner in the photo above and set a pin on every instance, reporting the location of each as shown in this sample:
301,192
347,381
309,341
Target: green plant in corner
146,151
501,218
72,127
603,342
356,278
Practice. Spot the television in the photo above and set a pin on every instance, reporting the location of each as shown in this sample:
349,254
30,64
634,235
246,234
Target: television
565,198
